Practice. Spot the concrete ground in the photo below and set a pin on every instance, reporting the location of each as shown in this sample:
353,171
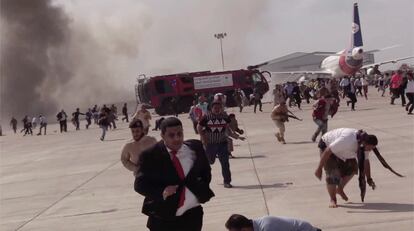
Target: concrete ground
74,181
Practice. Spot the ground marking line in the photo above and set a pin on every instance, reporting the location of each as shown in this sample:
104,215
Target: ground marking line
66,195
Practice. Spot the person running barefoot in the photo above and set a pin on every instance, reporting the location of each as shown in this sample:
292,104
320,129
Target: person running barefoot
338,149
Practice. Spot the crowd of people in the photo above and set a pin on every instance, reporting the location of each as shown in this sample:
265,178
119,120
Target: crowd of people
103,117
173,174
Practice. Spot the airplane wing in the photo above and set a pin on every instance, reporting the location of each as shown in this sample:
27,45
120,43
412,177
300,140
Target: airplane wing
383,49
293,66
385,62
303,72
294,61
294,76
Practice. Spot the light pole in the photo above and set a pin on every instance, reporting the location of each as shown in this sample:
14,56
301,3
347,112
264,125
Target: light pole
220,36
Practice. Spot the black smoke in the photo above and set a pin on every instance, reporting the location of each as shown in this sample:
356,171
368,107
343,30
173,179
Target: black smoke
33,37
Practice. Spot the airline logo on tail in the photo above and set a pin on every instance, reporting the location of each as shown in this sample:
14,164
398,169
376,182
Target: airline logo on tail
356,40
355,28
346,62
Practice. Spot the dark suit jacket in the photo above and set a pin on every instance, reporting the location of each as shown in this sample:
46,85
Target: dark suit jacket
157,171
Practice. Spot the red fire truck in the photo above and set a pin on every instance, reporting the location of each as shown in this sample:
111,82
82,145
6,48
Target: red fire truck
176,92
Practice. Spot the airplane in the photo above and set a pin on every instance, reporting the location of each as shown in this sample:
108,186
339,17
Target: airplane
346,62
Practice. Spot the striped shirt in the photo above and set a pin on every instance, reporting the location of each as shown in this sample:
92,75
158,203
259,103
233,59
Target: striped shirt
215,126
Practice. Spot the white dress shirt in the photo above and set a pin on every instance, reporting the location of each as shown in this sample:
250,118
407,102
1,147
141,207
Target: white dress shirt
186,156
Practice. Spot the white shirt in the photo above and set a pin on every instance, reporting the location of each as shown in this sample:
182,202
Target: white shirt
186,156
343,143
358,83
42,119
410,87
344,82
364,82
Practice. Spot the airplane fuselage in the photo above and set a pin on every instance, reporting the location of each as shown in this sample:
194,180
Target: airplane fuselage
346,63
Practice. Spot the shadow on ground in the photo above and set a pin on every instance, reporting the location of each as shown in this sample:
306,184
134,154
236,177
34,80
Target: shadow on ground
249,157
300,142
378,207
114,140
90,213
275,185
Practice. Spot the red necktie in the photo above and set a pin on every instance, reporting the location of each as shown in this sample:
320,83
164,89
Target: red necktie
180,172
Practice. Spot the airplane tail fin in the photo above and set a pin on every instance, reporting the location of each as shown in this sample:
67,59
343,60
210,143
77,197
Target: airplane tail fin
356,39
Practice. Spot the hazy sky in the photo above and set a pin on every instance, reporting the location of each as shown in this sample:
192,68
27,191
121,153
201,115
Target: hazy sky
178,35
106,43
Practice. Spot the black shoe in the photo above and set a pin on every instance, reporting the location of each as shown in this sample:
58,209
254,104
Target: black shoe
228,185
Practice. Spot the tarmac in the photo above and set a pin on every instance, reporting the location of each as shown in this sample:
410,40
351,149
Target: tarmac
74,181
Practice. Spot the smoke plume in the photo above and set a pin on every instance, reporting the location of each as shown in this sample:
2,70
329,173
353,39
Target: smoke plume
74,53
33,33
51,59
67,54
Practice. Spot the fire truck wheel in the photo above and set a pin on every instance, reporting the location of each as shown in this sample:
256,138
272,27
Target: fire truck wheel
166,107
185,104
160,111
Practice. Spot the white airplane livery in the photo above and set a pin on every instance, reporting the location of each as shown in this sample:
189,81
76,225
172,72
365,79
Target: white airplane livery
346,62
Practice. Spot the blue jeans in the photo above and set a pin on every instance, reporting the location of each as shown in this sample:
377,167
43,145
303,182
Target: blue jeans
322,128
220,150
104,128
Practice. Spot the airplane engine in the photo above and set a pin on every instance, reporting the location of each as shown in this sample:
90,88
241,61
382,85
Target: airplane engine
357,53
370,71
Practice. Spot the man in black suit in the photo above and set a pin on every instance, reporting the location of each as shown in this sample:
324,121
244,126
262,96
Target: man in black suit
174,176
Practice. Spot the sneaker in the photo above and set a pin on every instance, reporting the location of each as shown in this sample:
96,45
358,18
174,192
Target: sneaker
228,185
102,139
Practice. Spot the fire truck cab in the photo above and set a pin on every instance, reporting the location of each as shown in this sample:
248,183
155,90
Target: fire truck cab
175,93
